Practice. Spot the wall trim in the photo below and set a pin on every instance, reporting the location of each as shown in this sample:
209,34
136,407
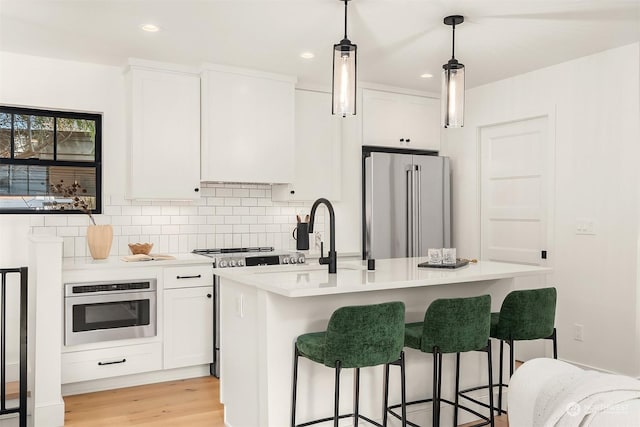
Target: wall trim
134,380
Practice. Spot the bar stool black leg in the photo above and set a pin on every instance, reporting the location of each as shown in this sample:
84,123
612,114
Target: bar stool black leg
512,357
490,368
385,393
455,408
439,383
436,382
403,392
296,354
500,377
356,397
336,398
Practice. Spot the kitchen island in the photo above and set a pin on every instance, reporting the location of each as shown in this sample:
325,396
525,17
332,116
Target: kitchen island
264,309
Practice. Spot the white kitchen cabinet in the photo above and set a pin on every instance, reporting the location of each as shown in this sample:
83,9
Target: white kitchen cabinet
188,326
247,126
164,134
317,166
110,362
400,121
188,276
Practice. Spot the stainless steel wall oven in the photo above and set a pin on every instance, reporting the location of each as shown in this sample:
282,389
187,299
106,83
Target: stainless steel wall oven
105,311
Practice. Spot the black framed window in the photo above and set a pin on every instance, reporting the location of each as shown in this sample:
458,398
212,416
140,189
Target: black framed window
42,154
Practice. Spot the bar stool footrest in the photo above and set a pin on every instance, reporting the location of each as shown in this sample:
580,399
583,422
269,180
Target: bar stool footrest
477,402
326,419
486,420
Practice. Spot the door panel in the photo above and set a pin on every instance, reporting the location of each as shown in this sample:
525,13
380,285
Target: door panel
514,191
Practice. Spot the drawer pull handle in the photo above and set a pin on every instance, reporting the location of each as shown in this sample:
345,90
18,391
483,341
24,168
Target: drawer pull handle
111,363
209,295
189,277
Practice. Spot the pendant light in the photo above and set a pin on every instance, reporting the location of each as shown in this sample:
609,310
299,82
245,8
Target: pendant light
343,91
452,98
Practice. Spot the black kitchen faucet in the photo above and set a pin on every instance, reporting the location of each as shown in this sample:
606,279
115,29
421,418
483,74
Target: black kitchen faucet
332,259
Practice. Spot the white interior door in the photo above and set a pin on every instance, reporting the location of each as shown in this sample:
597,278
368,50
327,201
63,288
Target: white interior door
514,191
516,201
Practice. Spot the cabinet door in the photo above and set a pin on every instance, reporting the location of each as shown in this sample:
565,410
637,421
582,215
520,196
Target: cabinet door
188,326
248,128
400,121
165,135
317,166
421,122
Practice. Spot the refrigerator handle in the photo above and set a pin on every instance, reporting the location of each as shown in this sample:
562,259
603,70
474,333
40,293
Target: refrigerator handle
417,215
410,207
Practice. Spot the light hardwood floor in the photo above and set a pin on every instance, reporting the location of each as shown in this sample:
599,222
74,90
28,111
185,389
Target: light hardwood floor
192,403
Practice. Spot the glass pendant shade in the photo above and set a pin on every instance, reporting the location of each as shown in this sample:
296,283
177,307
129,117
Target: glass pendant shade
452,98
344,78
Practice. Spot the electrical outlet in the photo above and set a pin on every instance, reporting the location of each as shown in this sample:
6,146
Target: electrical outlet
578,332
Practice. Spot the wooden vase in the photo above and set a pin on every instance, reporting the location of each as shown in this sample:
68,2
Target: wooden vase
99,238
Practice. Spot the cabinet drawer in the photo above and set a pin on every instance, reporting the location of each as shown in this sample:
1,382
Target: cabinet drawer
188,276
111,362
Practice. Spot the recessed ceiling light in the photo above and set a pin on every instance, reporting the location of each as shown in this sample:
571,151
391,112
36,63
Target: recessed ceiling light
150,28
426,75
307,55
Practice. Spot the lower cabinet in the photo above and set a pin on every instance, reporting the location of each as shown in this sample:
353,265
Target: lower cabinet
188,326
111,362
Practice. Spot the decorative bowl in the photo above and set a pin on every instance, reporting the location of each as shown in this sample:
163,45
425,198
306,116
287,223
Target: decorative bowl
140,248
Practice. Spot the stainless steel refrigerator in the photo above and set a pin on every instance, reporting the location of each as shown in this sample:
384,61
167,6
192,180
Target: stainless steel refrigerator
406,203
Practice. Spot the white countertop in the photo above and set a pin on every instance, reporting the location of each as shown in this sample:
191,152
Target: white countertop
352,276
88,263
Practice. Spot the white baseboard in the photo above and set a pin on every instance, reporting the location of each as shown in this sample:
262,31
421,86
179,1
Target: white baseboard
135,380
589,367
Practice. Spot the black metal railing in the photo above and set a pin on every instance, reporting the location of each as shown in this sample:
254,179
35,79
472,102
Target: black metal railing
21,409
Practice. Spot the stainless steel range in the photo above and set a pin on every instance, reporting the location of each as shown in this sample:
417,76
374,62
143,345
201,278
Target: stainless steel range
234,258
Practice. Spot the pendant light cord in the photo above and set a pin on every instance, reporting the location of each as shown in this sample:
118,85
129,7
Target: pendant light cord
345,18
453,43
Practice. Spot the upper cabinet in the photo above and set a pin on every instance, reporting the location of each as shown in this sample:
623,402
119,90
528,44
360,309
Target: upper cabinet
400,121
317,167
247,126
164,134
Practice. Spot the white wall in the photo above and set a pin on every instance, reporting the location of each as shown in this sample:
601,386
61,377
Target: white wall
596,107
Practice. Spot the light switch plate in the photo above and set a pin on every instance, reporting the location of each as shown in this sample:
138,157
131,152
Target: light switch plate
585,226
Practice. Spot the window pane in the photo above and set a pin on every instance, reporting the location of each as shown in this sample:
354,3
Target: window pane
46,187
33,137
76,140
5,135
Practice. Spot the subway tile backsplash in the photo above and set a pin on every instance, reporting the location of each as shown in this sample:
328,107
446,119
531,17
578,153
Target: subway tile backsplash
227,215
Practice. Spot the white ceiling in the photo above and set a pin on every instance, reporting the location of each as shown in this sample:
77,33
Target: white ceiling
397,40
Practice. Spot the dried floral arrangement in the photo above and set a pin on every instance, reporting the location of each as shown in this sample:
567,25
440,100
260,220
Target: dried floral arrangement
78,202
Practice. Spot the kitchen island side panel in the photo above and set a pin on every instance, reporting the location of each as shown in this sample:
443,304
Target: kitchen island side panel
259,329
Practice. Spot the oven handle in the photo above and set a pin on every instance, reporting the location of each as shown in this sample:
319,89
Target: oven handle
108,297
189,277
111,363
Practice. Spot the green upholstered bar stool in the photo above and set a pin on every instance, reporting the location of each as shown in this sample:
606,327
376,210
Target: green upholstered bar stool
454,325
356,337
525,315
